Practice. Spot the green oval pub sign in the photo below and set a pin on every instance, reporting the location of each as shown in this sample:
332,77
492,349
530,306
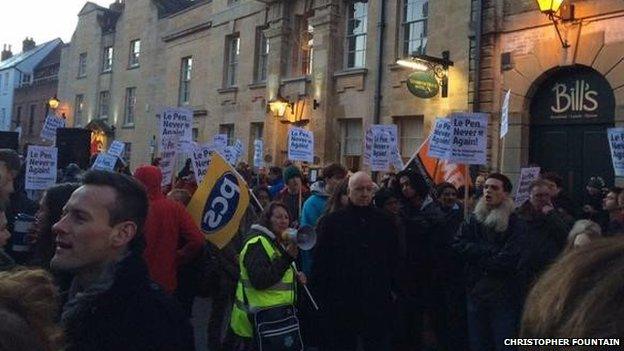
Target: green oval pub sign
423,84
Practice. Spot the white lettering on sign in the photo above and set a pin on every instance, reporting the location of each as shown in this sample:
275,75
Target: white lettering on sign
227,191
41,164
579,97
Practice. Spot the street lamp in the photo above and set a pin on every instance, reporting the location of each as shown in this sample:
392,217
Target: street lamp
52,103
550,8
278,105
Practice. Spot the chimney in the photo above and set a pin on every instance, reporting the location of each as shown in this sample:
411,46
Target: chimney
117,6
6,52
28,44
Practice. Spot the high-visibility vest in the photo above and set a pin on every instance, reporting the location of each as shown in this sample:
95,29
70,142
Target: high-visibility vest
281,293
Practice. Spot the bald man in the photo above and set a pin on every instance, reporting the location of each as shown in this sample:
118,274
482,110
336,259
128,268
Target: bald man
354,270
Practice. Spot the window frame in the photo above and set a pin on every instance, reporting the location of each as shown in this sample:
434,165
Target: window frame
231,60
134,56
78,109
405,136
405,28
107,59
130,106
228,128
350,17
261,56
186,77
104,93
82,65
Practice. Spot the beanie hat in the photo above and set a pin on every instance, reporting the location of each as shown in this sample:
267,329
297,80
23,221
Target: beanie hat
382,196
596,182
507,186
291,172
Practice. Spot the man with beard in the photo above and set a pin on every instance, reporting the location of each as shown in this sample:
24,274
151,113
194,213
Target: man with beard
489,243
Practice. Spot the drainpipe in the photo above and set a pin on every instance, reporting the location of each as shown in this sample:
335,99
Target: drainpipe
381,24
476,102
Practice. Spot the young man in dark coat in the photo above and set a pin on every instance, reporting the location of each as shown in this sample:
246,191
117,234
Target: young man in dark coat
112,304
490,243
353,271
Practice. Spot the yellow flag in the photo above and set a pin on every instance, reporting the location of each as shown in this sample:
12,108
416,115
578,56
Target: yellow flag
220,202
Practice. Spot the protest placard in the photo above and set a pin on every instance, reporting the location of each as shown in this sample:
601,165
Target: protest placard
201,160
258,150
229,154
168,154
469,141
105,162
527,176
382,151
177,121
238,149
391,129
41,164
300,145
219,142
368,146
505,115
396,160
616,144
440,141
51,124
117,148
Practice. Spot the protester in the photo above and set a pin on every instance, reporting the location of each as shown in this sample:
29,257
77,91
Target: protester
181,196
610,204
172,239
424,223
469,202
71,174
582,233
9,167
6,261
338,199
354,264
489,243
559,197
478,186
112,303
276,183
580,296
263,194
28,309
294,193
547,231
592,201
265,261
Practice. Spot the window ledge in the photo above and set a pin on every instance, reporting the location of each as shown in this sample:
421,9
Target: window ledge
296,79
128,126
81,77
107,72
227,90
257,85
134,67
397,67
351,72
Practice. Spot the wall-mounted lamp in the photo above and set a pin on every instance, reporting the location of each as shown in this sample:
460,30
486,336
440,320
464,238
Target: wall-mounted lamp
438,65
278,105
315,104
53,103
550,8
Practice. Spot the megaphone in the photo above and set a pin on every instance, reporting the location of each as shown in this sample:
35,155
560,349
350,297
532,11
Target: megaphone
304,237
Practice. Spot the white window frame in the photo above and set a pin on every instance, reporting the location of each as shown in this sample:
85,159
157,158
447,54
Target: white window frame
186,75
107,59
410,137
228,129
262,56
410,21
130,106
78,109
355,36
232,58
82,65
135,53
104,106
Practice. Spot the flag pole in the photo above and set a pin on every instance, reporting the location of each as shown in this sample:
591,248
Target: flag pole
466,193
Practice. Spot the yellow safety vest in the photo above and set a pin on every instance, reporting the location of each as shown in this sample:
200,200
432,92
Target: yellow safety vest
281,293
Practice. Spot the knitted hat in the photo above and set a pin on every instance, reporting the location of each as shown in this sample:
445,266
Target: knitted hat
596,182
291,172
382,196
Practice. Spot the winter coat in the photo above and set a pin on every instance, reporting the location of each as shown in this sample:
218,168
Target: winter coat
275,188
172,238
491,256
354,264
6,262
128,313
565,202
292,202
448,263
312,210
264,272
545,239
615,226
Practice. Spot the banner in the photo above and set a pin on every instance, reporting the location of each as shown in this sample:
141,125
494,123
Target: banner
105,162
258,161
469,141
229,155
396,160
505,115
300,145
527,176
41,164
176,121
382,149
220,141
168,153
51,124
616,144
369,138
220,202
117,148
201,159
440,143
238,150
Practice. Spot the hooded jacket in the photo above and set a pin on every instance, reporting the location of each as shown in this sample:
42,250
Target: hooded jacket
171,236
312,210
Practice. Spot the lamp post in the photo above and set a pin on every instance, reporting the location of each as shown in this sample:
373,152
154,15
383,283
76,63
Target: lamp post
550,9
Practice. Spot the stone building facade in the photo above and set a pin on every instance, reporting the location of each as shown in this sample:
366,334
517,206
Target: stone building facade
564,93
226,59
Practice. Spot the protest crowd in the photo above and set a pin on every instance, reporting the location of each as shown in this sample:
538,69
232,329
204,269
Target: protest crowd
338,260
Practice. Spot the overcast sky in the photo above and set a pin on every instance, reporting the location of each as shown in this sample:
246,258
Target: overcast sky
43,20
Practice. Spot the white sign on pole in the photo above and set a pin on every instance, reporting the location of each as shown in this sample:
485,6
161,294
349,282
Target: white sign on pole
527,176
368,145
505,115
382,150
219,142
616,144
258,150
41,164
176,121
117,148
300,145
238,149
396,160
469,142
201,160
440,141
369,137
167,158
105,162
51,124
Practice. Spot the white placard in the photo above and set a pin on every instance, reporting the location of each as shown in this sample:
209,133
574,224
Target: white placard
229,154
238,150
368,146
300,145
51,124
105,162
168,154
396,160
117,148
440,141
616,144
201,160
220,141
527,176
176,121
469,142
258,150
505,115
382,151
369,138
41,164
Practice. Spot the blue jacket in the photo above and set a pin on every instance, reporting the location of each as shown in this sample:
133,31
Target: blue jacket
312,210
275,188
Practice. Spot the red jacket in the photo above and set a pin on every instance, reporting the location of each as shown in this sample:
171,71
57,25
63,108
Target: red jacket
171,236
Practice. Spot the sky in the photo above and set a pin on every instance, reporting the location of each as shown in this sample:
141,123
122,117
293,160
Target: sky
39,20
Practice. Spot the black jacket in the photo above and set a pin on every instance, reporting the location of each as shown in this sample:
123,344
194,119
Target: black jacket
354,263
133,314
491,258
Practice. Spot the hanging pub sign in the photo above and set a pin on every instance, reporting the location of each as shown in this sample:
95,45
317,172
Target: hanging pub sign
573,95
423,84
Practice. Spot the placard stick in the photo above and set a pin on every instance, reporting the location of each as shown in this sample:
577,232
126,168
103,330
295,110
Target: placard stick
466,185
